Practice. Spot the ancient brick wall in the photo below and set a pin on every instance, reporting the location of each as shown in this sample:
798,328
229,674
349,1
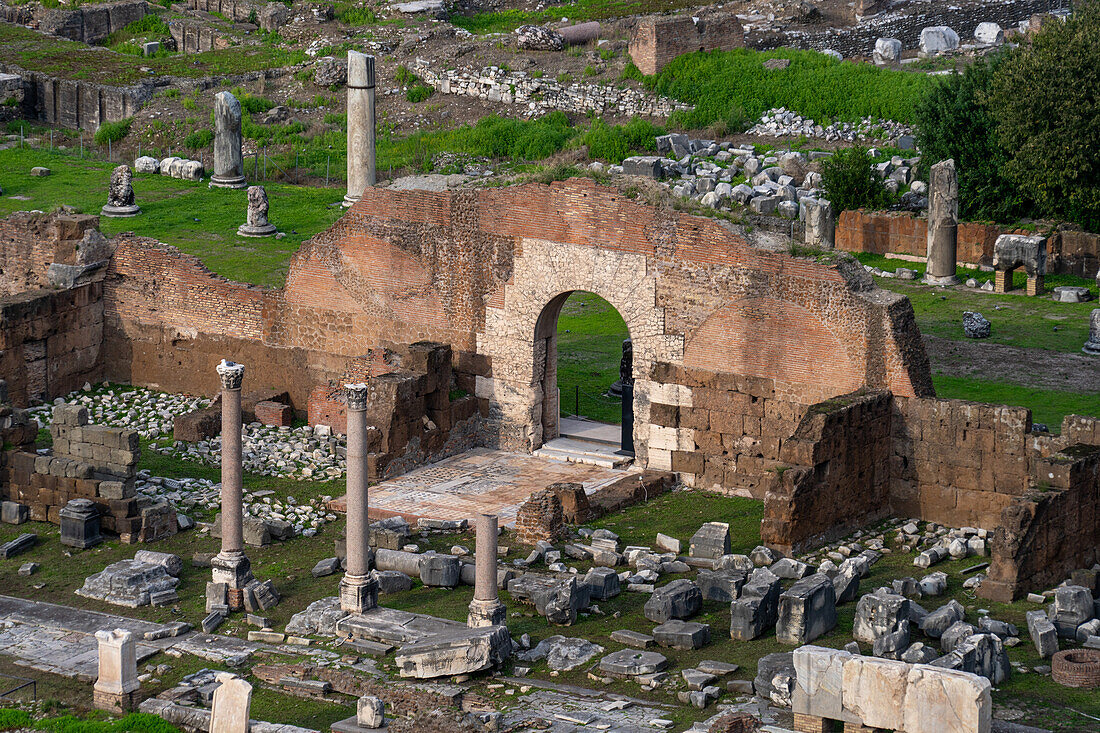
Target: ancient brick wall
900,232
1051,530
835,474
658,39
237,11
30,242
51,342
1071,252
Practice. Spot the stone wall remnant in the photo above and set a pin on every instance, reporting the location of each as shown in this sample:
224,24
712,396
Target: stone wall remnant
657,39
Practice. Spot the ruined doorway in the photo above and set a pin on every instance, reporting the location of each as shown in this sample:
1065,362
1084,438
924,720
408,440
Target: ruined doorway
579,353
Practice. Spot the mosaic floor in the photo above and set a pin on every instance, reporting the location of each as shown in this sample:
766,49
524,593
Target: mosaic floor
479,481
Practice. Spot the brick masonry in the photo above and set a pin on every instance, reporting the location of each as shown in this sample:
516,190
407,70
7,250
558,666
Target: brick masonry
657,39
1069,252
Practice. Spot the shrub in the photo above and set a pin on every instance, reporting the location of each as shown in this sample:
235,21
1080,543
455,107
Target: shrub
199,139
113,131
590,71
357,16
954,121
418,92
1045,101
630,71
616,142
850,182
404,77
11,718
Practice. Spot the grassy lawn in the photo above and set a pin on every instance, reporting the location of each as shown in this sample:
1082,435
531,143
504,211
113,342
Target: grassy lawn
590,347
1046,405
201,221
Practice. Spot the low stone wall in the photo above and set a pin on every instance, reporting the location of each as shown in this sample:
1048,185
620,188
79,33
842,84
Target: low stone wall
76,104
192,36
90,23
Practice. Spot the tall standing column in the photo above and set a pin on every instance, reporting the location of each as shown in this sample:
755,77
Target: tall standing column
228,159
943,224
359,588
360,125
230,566
486,608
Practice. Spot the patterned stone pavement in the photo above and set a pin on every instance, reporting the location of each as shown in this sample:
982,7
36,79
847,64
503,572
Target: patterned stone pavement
478,481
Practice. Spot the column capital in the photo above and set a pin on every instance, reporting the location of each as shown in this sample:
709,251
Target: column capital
357,395
231,373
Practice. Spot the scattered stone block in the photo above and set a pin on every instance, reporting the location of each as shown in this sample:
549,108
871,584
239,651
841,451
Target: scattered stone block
1073,606
668,544
879,614
28,569
128,583
211,623
80,524
12,512
463,651
697,679
603,583
632,663
392,581
268,637
562,653
685,635
173,564
940,620
633,638
723,586
710,541
755,611
22,543
440,571
680,599
806,610
790,568
328,566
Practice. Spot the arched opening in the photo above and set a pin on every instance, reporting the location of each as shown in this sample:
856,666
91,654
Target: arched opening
579,364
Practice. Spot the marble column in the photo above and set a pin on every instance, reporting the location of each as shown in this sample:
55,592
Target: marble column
1092,346
360,125
117,681
230,566
358,588
943,224
486,608
232,704
228,160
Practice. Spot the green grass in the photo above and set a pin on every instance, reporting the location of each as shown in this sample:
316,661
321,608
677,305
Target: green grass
590,337
199,220
681,513
504,21
1046,405
721,84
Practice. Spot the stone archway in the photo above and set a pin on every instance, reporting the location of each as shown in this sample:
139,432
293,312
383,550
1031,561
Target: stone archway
520,317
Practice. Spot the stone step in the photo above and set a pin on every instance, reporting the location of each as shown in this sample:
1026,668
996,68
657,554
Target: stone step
603,461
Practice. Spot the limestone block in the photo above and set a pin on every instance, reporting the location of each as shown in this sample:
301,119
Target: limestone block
723,586
679,599
878,614
172,563
232,704
463,651
887,51
946,701
370,712
874,691
806,610
712,541
117,662
819,682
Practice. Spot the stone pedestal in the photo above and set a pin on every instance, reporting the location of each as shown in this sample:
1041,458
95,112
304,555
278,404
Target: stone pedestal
361,161
230,566
943,224
359,587
486,608
80,524
232,705
1092,346
120,212
117,683
228,159
256,223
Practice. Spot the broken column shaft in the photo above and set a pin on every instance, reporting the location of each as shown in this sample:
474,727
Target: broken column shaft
943,224
358,589
486,608
361,162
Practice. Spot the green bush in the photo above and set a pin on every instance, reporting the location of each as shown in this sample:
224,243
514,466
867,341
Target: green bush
519,140
199,139
954,121
418,92
11,718
113,131
850,181
613,143
404,77
357,16
150,24
1046,100
630,71
815,85
590,71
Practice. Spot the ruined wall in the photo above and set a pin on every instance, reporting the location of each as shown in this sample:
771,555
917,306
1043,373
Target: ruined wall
90,23
30,242
835,474
76,104
1051,530
237,11
658,39
51,342
1069,252
192,36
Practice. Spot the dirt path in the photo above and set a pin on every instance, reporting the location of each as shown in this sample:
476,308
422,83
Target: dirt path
1028,367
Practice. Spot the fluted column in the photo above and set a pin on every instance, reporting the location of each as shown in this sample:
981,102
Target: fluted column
230,566
486,608
361,162
359,588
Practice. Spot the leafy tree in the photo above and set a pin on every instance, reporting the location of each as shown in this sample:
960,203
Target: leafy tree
954,120
1046,101
850,181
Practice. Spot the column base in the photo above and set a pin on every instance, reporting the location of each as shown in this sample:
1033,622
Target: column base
486,613
235,570
228,182
267,230
358,594
1091,347
350,200
943,281
120,212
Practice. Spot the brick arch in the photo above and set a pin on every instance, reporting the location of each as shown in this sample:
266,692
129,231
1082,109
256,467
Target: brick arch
543,275
770,337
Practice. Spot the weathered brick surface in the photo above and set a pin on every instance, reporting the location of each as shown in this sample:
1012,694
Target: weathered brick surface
540,518
658,39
